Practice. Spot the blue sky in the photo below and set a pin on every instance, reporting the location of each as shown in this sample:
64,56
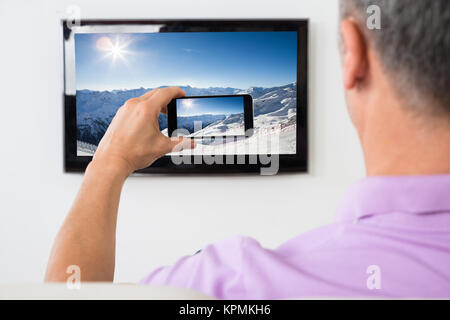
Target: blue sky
210,59
224,105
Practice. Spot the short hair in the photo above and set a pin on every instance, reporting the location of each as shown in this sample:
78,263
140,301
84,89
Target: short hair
414,47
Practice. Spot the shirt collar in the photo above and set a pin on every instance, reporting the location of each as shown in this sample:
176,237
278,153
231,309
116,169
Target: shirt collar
408,194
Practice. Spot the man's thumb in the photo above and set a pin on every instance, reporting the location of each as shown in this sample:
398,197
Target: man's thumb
178,144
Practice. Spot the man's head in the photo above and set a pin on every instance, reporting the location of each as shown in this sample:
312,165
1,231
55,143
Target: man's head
399,74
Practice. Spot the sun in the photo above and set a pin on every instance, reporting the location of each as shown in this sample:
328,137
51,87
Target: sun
115,50
188,103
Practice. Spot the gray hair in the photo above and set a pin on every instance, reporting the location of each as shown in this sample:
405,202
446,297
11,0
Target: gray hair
414,46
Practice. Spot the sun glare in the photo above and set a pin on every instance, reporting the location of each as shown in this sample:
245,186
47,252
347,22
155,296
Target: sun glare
187,103
115,50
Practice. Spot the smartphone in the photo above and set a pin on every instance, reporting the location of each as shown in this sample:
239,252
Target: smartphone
203,117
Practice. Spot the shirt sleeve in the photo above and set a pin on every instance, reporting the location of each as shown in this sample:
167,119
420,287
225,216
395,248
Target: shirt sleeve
217,270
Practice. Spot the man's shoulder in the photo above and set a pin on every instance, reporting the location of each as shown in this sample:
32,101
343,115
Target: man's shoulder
234,243
238,247
231,252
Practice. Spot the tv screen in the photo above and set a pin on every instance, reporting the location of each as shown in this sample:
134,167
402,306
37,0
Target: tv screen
109,62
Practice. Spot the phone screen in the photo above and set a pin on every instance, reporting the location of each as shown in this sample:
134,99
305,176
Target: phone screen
210,117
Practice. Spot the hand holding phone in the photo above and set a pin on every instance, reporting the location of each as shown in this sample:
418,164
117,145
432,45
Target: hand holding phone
133,140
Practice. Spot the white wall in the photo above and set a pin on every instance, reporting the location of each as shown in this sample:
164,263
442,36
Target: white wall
160,218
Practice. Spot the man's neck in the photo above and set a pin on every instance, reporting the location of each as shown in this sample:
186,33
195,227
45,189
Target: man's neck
399,143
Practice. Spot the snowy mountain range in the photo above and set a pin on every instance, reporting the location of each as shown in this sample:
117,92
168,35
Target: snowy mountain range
272,106
205,119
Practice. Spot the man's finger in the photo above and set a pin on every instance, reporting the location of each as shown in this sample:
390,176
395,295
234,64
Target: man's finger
163,110
148,94
177,144
161,98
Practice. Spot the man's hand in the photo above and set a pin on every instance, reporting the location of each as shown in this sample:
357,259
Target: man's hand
133,140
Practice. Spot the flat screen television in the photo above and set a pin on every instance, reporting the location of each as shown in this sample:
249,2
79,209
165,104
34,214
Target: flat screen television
107,62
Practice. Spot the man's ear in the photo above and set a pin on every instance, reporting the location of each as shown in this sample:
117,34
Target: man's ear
354,55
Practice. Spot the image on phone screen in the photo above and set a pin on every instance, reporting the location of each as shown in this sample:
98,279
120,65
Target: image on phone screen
206,117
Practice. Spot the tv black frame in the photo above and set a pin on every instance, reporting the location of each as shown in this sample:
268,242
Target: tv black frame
287,162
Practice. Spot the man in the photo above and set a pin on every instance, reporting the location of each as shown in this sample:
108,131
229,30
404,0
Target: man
391,237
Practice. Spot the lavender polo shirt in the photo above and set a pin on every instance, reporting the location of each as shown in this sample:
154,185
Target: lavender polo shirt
391,238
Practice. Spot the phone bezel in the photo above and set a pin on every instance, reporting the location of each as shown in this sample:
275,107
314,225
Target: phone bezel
297,162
